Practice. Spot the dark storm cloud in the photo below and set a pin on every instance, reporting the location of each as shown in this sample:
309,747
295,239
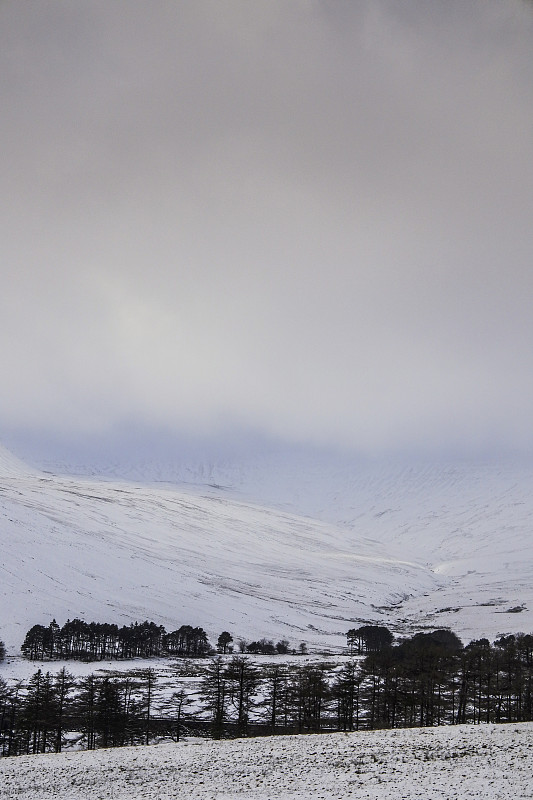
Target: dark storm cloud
309,218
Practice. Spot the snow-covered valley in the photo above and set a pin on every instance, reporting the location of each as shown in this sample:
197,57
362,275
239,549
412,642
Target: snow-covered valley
270,548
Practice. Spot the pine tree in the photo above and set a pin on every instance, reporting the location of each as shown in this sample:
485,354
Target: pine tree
242,680
63,685
274,685
39,713
214,695
345,691
224,641
87,709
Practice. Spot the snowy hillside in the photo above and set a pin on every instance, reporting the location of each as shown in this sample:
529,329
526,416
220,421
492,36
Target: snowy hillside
276,549
111,551
481,761
10,466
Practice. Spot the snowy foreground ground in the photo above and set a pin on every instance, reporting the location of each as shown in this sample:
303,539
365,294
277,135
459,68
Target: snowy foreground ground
484,761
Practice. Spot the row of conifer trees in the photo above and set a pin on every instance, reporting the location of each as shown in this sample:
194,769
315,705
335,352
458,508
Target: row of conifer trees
426,680
96,641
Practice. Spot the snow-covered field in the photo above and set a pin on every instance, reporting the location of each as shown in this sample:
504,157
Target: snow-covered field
271,548
485,762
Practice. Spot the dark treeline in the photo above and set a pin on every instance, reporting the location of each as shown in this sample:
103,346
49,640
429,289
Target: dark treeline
431,679
426,680
96,711
96,641
368,639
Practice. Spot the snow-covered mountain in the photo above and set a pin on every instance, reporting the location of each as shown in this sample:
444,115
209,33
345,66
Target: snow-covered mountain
271,546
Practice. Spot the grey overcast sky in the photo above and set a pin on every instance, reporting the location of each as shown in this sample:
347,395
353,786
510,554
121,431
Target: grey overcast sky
306,218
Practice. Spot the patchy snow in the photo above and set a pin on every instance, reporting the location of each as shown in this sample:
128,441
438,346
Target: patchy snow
486,762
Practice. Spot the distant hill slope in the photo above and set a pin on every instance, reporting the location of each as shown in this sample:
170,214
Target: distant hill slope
323,549
119,552
10,465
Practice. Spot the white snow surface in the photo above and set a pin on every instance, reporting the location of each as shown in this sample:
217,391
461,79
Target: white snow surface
273,548
10,465
486,762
